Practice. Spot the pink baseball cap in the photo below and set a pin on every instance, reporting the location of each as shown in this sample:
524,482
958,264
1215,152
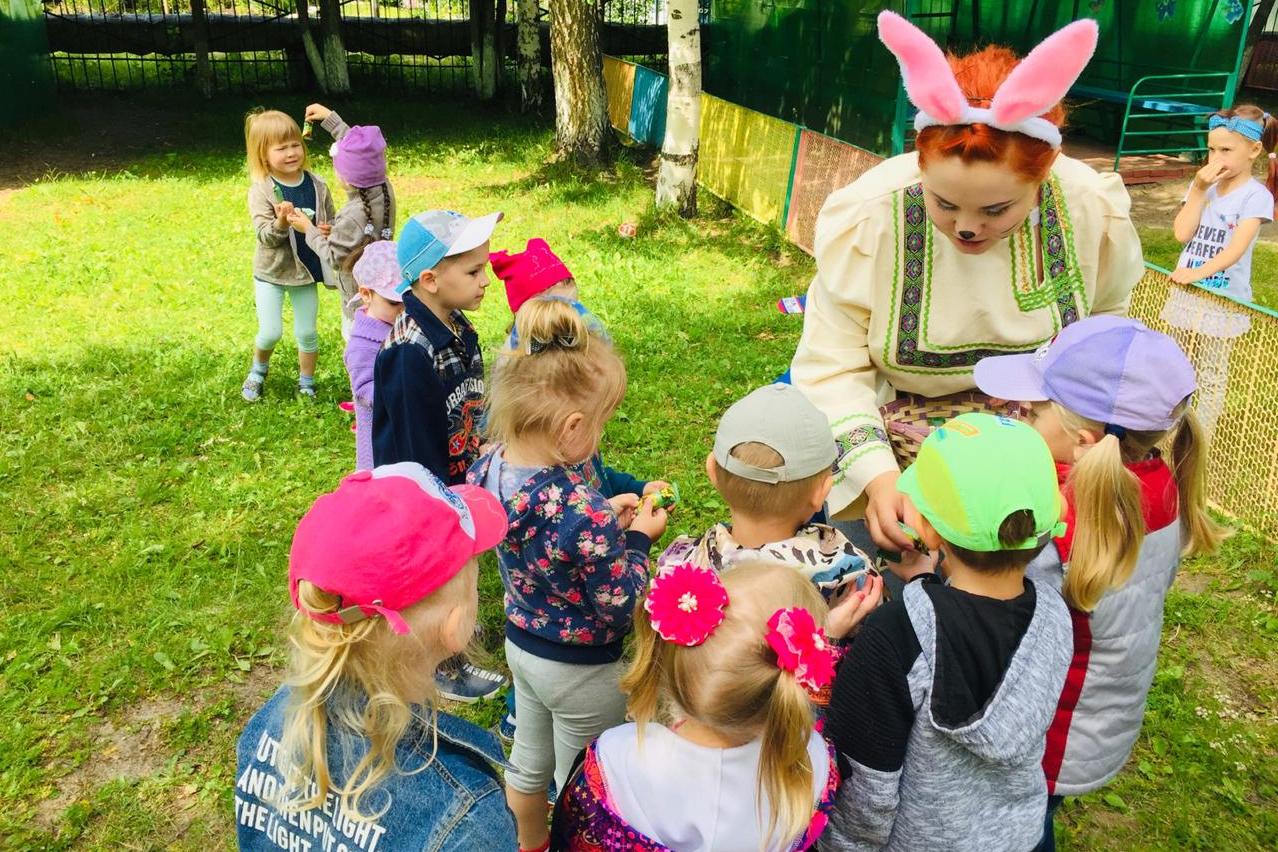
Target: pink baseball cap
378,270
534,270
389,537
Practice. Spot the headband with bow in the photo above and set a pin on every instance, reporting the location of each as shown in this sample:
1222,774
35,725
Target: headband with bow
1035,85
1247,127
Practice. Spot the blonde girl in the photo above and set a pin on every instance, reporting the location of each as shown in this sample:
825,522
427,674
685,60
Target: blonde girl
1107,392
383,575
1219,222
359,161
721,753
283,191
574,562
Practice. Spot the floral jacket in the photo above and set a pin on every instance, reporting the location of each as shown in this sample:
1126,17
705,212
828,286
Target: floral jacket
572,575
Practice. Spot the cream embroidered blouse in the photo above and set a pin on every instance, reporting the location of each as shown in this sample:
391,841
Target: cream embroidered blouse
895,307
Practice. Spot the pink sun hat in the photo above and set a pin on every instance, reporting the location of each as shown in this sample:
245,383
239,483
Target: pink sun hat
378,270
534,270
388,538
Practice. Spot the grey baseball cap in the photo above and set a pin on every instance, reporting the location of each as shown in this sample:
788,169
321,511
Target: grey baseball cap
782,418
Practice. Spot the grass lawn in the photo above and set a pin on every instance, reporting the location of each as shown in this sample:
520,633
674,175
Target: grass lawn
1160,247
148,511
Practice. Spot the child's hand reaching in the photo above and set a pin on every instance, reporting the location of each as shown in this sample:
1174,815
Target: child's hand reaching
1185,275
325,228
300,221
649,520
282,211
913,563
850,606
1208,175
316,112
624,506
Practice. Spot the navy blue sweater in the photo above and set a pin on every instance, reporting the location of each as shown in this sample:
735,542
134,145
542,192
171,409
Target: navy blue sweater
428,393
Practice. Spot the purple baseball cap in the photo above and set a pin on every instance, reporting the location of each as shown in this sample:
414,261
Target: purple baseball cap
1112,370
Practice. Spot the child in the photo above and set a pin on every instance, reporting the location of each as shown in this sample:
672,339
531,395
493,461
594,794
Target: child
359,160
429,376
383,574
536,271
941,706
1107,392
377,273
721,753
571,569
771,463
1219,222
282,191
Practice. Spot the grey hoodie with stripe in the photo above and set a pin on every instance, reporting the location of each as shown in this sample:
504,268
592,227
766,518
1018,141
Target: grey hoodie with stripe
939,716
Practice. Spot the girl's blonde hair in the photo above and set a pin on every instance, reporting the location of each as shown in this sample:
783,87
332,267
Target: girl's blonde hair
1109,522
560,367
731,683
355,676
264,128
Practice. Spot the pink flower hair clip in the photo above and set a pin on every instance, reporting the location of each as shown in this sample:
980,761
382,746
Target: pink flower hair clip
801,647
685,604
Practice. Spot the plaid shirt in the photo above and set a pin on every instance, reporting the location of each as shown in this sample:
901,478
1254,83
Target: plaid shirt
429,393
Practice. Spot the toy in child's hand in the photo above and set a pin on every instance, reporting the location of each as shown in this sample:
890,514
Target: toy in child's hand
308,132
279,193
667,498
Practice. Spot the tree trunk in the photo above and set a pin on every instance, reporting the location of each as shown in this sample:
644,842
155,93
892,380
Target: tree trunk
1264,8
483,50
310,47
677,179
581,103
332,48
528,60
203,70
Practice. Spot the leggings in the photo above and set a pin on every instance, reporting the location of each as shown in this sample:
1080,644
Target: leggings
270,315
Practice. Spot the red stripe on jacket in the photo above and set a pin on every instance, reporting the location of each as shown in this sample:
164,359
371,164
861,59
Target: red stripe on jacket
1160,506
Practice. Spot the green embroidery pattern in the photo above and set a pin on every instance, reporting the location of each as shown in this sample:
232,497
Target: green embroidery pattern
911,308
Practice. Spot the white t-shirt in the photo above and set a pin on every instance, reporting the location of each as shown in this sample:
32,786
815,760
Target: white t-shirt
1221,215
689,796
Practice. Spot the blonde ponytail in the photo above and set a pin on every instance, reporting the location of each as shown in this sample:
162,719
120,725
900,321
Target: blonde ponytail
1189,466
1109,525
731,683
559,367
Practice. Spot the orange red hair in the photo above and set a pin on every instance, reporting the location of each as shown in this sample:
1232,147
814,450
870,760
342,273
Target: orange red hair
979,75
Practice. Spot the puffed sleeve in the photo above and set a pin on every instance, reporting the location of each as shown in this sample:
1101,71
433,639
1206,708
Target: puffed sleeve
1120,263
832,364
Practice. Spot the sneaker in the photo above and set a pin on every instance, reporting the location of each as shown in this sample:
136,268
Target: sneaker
506,729
469,683
251,390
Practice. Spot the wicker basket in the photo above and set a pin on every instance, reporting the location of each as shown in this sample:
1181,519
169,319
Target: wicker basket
910,418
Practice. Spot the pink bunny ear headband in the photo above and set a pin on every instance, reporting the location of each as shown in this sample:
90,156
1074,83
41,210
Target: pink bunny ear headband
686,605
1035,85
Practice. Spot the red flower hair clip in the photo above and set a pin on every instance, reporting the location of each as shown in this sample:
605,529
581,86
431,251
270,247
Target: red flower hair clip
801,647
685,603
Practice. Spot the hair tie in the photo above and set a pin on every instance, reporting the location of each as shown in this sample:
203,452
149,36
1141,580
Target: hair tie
685,603
801,647
1117,431
558,341
386,233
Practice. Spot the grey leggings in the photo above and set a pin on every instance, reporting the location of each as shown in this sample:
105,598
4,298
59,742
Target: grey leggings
269,299
561,707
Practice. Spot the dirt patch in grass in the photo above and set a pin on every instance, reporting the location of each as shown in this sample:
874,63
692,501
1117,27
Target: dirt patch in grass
1194,584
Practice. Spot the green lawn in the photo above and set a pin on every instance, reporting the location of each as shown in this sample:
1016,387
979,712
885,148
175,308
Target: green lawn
148,511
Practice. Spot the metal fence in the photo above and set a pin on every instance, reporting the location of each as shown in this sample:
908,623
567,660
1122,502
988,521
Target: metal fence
261,45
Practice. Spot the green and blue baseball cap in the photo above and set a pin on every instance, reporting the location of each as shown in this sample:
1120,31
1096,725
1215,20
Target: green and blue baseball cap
976,470
429,237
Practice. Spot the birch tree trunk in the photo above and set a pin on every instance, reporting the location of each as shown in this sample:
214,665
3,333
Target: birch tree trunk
528,58
677,178
483,49
581,103
332,48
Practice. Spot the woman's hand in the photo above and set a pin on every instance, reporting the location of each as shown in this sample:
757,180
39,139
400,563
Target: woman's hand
649,520
1185,275
282,211
1208,175
884,510
623,506
317,112
850,606
300,221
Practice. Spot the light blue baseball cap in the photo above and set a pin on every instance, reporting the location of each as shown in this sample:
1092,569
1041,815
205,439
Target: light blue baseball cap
429,237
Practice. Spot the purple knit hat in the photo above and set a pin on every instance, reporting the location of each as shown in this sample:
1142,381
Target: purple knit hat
1109,369
360,156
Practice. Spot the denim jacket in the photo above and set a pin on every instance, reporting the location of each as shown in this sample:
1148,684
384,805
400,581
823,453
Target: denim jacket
456,803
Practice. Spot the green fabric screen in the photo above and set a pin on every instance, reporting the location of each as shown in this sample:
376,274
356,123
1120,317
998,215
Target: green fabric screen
25,84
